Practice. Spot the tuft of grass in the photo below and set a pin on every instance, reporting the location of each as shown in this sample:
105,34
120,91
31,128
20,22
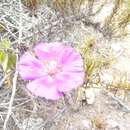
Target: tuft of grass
33,4
120,86
119,18
92,64
68,6
120,83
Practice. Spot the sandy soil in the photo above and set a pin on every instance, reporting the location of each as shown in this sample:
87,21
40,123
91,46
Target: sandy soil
101,110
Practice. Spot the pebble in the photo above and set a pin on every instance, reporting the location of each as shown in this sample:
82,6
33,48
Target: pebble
90,95
87,124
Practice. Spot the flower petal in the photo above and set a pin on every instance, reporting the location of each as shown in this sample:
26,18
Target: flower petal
70,80
70,56
72,74
46,51
29,67
44,87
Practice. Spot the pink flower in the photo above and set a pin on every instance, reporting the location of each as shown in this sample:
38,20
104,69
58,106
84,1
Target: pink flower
52,68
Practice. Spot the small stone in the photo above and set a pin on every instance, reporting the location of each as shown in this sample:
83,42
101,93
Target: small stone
87,124
90,95
112,124
116,47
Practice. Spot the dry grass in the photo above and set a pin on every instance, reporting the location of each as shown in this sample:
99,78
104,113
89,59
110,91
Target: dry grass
26,22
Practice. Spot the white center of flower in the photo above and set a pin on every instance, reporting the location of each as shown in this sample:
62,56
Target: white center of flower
51,67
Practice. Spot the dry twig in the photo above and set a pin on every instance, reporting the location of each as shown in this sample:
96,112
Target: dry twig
16,73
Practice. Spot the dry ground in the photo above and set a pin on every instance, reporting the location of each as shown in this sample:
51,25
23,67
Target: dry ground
105,112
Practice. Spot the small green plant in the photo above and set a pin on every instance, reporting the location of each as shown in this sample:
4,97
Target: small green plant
7,56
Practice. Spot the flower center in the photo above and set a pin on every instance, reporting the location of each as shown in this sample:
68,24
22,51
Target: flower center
51,67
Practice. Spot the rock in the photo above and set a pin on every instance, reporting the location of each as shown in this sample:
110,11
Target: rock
87,124
111,124
90,95
117,50
116,47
